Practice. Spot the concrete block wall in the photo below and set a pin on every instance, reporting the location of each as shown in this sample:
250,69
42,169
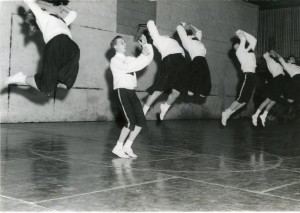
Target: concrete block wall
93,30
92,98
132,13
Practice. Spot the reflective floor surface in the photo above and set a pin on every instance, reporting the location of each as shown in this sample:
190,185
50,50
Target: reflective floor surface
181,166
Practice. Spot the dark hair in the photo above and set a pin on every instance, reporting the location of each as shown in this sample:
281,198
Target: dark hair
292,56
58,2
236,40
189,31
30,19
114,41
148,36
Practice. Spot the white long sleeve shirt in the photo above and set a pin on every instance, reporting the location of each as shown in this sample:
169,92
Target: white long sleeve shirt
292,69
246,59
274,67
124,67
194,47
51,26
165,45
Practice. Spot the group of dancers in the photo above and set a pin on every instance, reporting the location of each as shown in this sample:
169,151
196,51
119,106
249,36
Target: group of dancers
176,76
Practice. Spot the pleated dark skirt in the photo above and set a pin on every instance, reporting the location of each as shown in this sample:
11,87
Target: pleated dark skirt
292,90
200,80
60,64
173,74
275,88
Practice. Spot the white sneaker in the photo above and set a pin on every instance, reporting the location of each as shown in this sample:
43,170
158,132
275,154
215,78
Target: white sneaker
62,86
190,93
224,117
163,111
120,152
129,152
18,79
263,120
254,120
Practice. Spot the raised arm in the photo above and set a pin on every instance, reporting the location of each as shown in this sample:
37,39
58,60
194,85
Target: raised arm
242,38
271,63
183,36
34,7
134,64
198,32
153,30
72,15
284,64
251,39
267,57
281,60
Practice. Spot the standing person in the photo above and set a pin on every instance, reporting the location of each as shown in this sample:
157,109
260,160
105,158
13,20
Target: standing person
274,89
124,79
200,81
293,89
61,54
247,60
173,72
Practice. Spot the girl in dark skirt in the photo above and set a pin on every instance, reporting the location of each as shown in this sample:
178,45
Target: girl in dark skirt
200,81
292,91
173,73
274,89
61,54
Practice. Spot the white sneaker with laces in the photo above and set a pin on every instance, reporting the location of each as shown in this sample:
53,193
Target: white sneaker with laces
263,120
254,120
224,117
120,152
18,79
163,110
129,151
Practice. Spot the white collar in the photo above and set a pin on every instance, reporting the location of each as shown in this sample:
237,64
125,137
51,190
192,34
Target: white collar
120,55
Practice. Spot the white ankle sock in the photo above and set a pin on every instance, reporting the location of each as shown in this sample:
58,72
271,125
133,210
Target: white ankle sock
119,145
257,113
128,144
265,114
145,109
263,117
229,112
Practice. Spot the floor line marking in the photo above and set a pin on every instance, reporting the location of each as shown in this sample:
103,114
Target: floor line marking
106,190
238,171
161,170
290,170
26,202
52,158
54,134
279,187
245,190
288,158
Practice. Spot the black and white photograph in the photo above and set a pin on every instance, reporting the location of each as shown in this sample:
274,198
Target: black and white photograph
150,105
